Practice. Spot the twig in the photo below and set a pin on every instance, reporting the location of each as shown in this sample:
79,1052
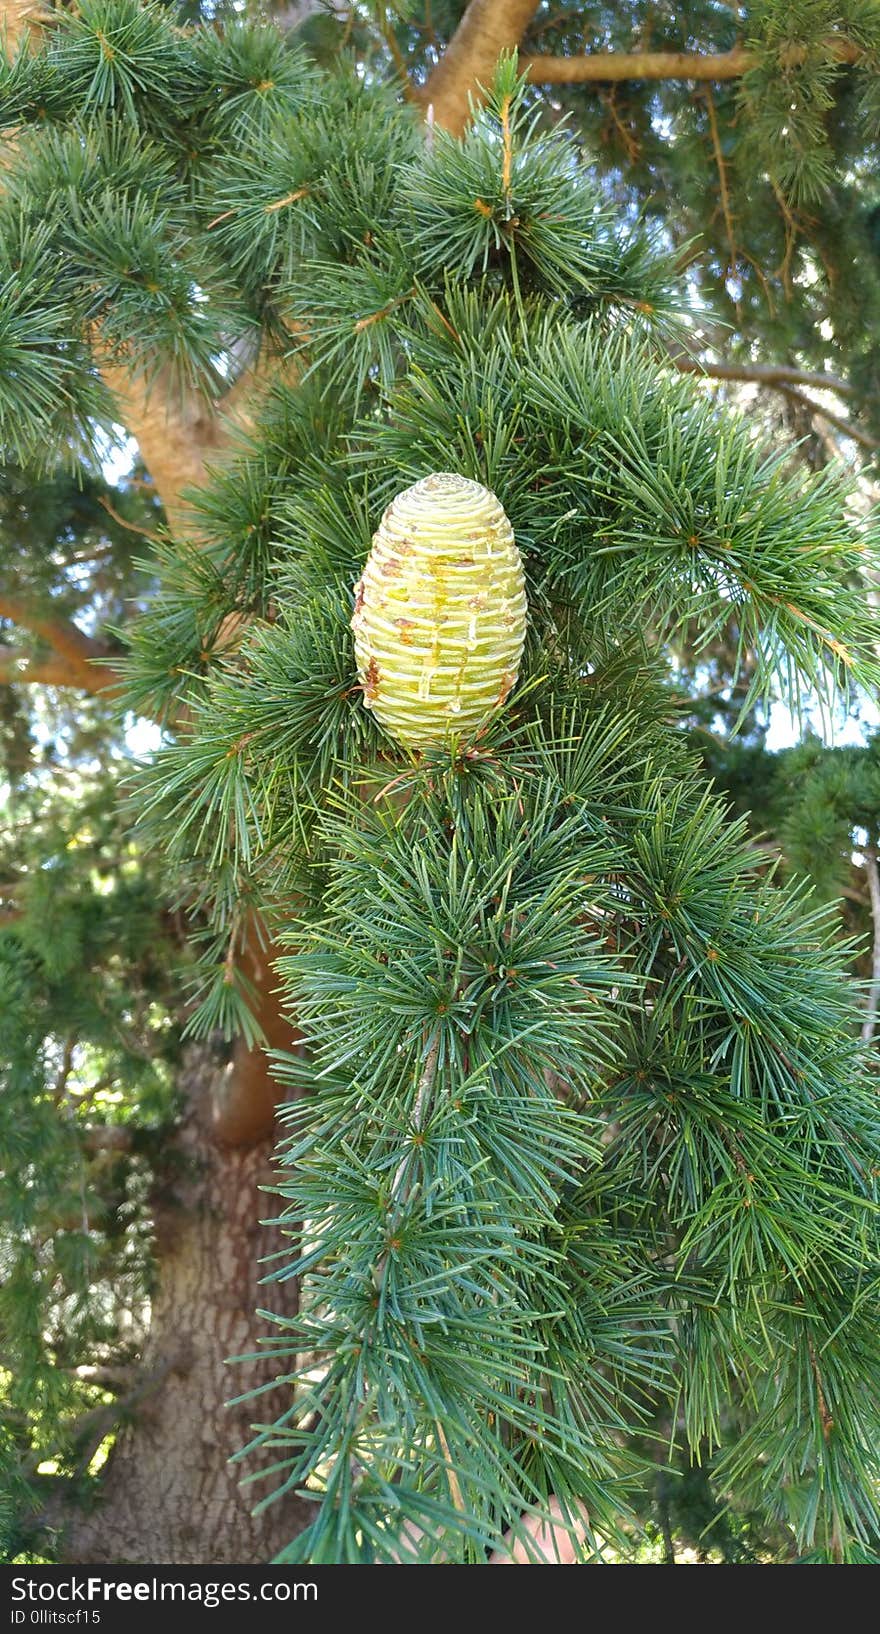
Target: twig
723,187
289,198
783,379
791,232
629,141
825,1417
383,312
397,58
845,427
399,1188
452,1478
873,873
507,148
130,527
429,28
426,1084
663,1488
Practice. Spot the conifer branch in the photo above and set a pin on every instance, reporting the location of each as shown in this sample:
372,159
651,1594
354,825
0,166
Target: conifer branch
786,380
766,374
607,66
873,874
176,434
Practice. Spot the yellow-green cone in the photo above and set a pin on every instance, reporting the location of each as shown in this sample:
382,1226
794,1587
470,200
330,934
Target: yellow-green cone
440,612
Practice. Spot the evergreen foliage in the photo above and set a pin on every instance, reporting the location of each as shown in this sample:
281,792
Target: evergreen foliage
87,1047
87,1040
766,181
591,1146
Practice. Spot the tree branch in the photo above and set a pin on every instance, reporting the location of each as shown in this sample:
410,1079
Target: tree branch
61,1495
16,669
781,378
64,637
845,427
767,374
657,65
487,28
77,659
873,873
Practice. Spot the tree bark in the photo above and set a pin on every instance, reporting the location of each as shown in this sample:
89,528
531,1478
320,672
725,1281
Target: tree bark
609,66
169,1495
873,1000
606,67
18,19
177,434
487,28
243,1107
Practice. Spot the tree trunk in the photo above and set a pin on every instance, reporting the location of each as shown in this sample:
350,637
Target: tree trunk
487,28
177,434
170,1495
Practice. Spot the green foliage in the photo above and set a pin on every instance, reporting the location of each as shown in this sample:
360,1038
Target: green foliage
791,90
591,1147
86,1043
492,977
591,1135
765,184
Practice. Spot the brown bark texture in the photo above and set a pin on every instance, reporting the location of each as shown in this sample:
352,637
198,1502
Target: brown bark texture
606,67
178,435
487,28
169,1495
243,1106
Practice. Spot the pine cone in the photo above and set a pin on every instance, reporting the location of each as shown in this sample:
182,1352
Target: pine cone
440,612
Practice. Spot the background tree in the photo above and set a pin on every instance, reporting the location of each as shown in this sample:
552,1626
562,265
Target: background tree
144,235
129,1235
748,133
